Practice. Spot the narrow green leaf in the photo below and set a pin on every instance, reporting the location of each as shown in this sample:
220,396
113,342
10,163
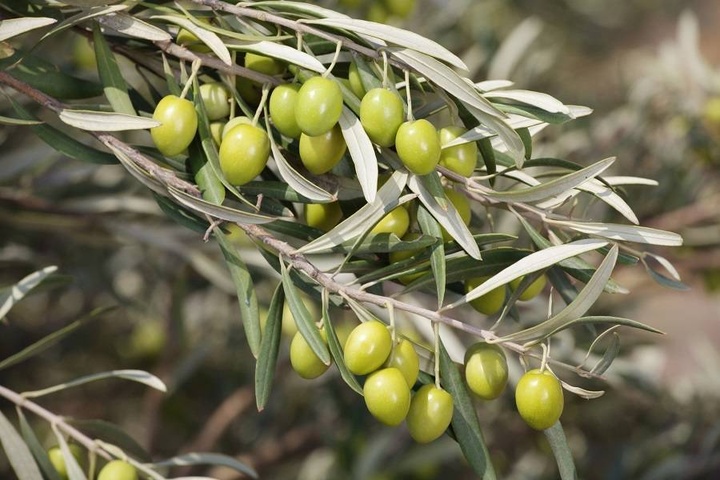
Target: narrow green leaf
524,134
362,220
48,79
114,84
96,121
64,143
532,263
429,226
188,459
611,352
269,348
553,187
206,36
246,296
36,448
51,339
18,453
575,266
488,154
111,433
217,211
18,121
362,153
581,304
74,470
304,321
465,423
563,456
625,233
11,295
336,352
211,187
446,215
180,214
139,376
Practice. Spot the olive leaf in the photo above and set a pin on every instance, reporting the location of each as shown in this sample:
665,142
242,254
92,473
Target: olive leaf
12,27
17,452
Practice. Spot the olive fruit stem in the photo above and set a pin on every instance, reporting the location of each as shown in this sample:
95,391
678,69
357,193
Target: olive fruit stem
545,355
391,314
196,64
385,82
261,107
338,49
410,116
436,336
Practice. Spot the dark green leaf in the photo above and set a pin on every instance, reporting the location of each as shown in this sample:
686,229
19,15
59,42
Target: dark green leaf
114,84
50,340
465,422
245,291
304,321
48,79
559,445
181,215
488,154
524,134
40,454
269,347
111,433
64,143
611,352
337,353
429,226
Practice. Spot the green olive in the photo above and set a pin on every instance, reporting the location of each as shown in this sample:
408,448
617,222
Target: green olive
234,122
381,114
282,109
539,399
179,124
430,414
418,146
321,153
323,216
118,470
396,221
387,396
244,153
462,205
367,347
318,106
491,302
303,359
263,64
533,290
486,370
404,357
462,158
216,99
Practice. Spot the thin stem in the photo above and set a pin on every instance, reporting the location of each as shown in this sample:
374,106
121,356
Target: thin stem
436,337
338,49
408,94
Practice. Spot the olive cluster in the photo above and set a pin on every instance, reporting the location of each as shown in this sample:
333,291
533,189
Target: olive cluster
390,369
113,470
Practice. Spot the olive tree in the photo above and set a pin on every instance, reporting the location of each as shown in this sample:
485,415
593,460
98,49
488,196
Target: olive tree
371,175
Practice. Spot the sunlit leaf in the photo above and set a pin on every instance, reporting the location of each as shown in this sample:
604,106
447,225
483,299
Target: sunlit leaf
134,27
139,376
626,233
11,295
217,211
12,27
105,121
532,263
17,452
361,151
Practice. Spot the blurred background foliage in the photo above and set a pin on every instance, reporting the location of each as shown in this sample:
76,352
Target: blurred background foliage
651,71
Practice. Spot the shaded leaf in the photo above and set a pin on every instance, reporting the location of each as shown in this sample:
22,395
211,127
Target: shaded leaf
336,352
208,459
246,296
114,84
563,456
429,226
465,423
303,319
269,348
36,448
51,339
